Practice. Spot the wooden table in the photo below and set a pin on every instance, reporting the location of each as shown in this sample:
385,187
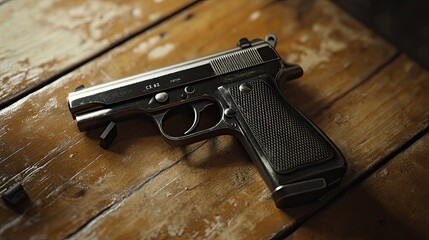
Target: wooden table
365,94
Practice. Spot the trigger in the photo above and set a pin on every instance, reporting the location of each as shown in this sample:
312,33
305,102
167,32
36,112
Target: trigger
198,108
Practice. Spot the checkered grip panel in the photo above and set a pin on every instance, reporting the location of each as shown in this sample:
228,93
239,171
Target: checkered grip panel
285,137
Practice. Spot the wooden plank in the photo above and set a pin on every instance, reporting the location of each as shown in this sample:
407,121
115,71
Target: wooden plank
67,171
213,194
390,204
42,38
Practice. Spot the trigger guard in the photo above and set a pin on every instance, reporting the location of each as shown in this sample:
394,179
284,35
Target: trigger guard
221,128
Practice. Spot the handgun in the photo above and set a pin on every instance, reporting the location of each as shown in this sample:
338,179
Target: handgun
235,92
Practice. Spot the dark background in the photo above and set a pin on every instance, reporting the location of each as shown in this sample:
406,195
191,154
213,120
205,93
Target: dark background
405,23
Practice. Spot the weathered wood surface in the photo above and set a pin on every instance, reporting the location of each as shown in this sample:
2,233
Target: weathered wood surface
144,187
240,206
42,38
390,204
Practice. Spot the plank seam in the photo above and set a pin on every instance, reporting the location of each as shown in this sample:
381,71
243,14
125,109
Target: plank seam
366,79
112,207
286,232
101,52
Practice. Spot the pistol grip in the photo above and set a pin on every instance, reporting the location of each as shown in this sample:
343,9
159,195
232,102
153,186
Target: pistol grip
296,160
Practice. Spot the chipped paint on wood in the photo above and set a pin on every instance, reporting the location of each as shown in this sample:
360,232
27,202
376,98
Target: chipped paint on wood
209,189
161,51
52,35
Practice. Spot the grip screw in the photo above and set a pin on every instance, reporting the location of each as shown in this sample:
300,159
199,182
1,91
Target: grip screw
245,88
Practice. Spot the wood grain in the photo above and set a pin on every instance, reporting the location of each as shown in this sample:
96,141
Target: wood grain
42,38
217,196
219,193
390,204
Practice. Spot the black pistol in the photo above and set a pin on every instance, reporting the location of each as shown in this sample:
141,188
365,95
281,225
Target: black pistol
235,92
